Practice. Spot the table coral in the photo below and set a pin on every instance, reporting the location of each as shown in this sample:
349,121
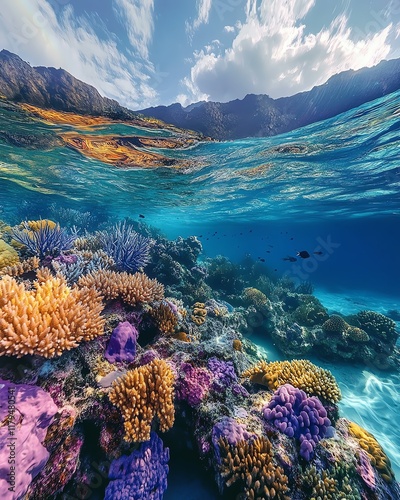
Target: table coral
250,464
47,320
143,394
26,411
301,373
131,288
298,416
142,475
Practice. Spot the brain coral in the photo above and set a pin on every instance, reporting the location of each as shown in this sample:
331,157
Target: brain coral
47,320
357,334
131,288
300,373
142,394
8,255
335,324
249,463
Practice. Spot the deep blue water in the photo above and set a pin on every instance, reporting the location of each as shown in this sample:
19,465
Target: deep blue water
333,185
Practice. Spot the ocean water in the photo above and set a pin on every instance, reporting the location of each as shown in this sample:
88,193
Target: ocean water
332,186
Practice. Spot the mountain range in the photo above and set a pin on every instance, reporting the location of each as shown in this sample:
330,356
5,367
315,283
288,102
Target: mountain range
252,116
54,88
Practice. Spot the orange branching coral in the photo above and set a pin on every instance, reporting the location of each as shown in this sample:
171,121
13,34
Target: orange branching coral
20,268
8,255
250,463
48,320
301,373
142,394
374,451
182,336
36,225
164,317
131,288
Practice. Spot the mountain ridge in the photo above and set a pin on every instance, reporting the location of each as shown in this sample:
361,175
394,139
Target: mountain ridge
258,115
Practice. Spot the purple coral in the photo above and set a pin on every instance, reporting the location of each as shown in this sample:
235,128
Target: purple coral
228,428
129,249
26,411
223,372
193,383
47,240
122,343
299,416
142,475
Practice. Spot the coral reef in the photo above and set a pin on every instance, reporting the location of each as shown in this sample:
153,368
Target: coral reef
131,288
142,474
142,394
165,317
48,320
300,373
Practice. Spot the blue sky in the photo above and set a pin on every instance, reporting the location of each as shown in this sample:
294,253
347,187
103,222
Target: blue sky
150,52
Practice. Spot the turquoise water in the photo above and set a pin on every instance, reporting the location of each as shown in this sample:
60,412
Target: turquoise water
334,183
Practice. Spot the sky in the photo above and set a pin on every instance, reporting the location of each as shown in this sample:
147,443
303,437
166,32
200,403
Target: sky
156,52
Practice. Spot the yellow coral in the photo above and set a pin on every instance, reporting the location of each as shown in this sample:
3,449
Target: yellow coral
374,451
36,225
131,288
142,394
8,255
48,320
250,463
300,373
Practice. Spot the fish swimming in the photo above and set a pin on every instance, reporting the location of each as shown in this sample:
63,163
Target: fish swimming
303,254
290,258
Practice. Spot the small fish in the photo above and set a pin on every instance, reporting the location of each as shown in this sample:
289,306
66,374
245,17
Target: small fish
262,260
290,258
303,254
250,231
318,253
271,246
200,236
141,216
291,238
268,251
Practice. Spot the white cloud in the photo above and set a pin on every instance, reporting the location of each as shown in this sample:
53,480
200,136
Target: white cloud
80,45
137,17
274,54
229,29
203,14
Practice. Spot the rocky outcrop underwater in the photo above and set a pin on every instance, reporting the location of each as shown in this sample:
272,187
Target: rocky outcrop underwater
120,347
